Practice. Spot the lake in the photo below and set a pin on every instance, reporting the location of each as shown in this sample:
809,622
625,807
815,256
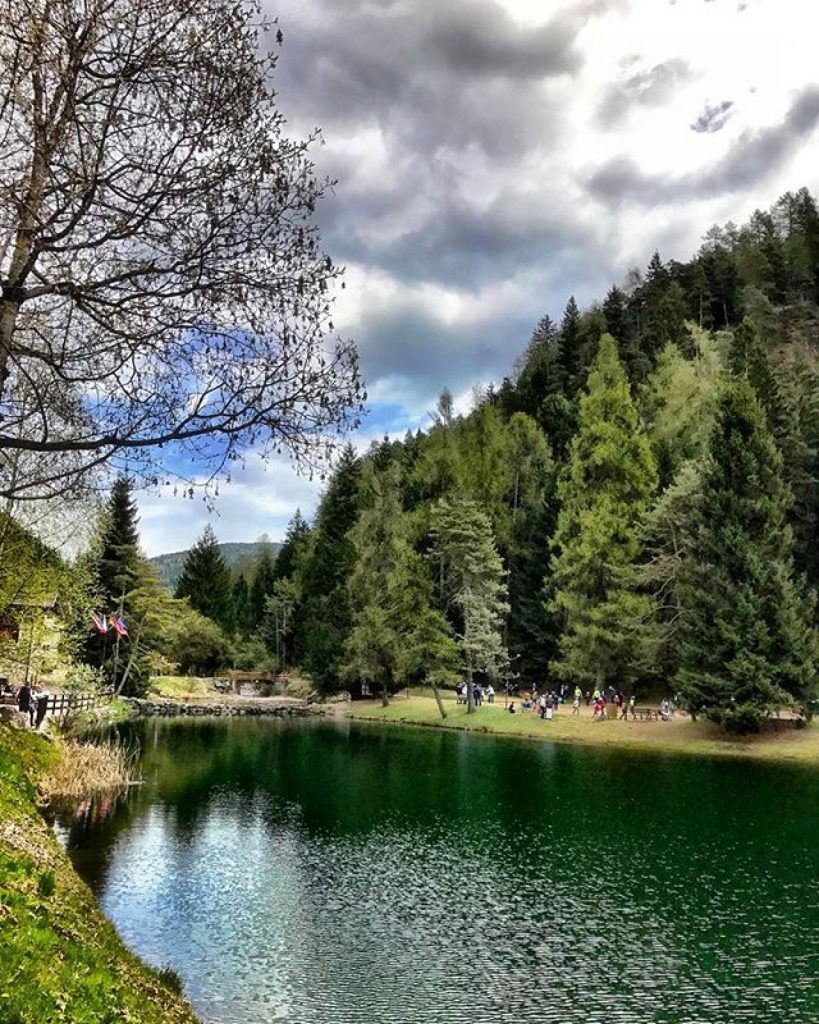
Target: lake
316,872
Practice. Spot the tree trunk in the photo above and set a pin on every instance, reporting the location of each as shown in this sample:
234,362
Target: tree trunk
470,686
438,699
127,672
385,697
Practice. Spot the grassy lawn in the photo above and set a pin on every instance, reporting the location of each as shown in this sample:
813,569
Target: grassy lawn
681,735
182,687
62,961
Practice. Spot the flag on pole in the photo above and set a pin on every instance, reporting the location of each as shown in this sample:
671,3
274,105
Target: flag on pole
99,623
120,627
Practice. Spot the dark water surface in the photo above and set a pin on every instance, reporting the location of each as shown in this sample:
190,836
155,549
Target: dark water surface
321,873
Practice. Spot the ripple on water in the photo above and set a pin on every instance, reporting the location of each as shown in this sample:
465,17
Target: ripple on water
472,898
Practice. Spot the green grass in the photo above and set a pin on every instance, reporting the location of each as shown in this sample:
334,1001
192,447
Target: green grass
61,961
681,735
179,687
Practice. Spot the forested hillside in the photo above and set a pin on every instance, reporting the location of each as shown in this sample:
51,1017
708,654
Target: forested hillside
636,504
240,557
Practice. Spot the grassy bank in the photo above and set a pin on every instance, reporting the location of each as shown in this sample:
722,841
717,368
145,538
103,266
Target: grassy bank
61,961
679,736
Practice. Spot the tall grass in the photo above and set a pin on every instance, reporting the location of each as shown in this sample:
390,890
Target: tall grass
88,768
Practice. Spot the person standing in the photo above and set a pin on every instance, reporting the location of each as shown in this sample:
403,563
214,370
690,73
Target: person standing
550,706
576,703
42,708
490,694
24,700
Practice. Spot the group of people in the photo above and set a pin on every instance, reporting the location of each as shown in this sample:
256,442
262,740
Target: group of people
546,702
30,701
479,694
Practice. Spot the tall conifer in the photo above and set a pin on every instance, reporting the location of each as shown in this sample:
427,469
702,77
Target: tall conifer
747,642
610,481
205,581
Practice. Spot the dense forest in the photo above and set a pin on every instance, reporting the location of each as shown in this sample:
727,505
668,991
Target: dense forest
635,506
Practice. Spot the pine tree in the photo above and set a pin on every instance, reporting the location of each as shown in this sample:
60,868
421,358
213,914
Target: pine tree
610,481
475,584
747,642
205,581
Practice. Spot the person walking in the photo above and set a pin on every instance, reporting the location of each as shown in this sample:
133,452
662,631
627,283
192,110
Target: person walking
631,706
550,706
542,705
490,694
42,708
576,703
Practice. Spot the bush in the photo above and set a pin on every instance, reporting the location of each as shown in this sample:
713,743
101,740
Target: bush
46,884
254,655
743,719
170,979
196,644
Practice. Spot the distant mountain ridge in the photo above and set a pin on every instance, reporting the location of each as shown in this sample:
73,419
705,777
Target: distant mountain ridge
241,557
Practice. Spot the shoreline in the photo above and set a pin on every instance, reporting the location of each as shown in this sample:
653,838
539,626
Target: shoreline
786,745
64,960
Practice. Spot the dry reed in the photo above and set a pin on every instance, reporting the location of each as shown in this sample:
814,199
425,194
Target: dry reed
88,768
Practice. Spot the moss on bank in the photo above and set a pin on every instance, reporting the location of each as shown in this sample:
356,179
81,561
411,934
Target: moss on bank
680,736
61,961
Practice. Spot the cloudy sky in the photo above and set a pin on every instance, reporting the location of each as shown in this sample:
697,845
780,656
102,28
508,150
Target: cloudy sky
494,157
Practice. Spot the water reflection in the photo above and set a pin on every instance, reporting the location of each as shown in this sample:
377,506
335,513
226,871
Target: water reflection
315,872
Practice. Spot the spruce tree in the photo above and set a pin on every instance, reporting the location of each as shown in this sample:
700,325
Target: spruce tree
116,573
264,576
610,480
747,641
205,581
323,616
569,344
119,556
290,553
241,607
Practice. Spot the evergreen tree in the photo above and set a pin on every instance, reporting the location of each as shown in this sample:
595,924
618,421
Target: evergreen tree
747,642
264,576
115,573
610,480
371,647
119,555
475,584
569,344
205,581
241,607
323,615
425,649
295,540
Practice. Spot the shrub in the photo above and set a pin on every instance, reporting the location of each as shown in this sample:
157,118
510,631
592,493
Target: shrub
46,884
170,979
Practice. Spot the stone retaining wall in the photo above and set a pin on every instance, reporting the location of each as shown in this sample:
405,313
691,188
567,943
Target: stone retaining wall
278,706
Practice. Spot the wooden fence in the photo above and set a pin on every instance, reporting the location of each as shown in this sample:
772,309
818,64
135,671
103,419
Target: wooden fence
60,705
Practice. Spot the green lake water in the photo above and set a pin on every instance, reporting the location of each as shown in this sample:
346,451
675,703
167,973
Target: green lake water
316,872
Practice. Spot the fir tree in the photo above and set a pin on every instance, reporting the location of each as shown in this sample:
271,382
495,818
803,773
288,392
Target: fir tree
747,643
205,581
569,349
610,481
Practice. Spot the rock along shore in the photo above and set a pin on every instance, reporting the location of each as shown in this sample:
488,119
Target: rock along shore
252,706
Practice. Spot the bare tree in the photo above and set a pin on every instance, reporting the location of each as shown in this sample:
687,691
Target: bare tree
162,283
